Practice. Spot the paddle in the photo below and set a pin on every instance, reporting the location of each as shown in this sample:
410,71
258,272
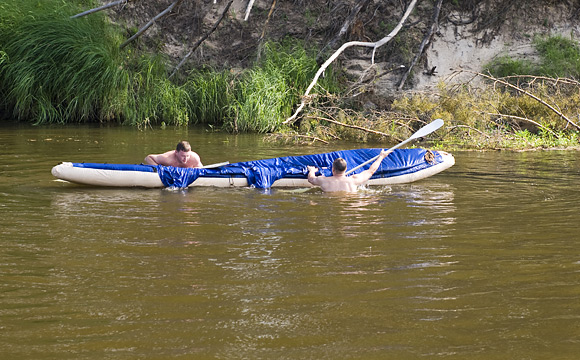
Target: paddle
425,130
215,165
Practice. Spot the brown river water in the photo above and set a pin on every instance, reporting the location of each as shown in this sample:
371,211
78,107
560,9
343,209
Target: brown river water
481,261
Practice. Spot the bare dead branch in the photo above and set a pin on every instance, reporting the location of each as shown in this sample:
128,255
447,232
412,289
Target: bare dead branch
202,39
313,138
106,6
352,126
424,44
347,23
468,127
528,94
288,136
268,20
556,81
151,22
250,4
526,120
374,45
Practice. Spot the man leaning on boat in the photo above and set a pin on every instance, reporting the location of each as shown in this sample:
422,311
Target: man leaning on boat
182,156
339,181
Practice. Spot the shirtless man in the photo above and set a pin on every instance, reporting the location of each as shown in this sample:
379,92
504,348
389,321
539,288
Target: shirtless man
339,181
182,156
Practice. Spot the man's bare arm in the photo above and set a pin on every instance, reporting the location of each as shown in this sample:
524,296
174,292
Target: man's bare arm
364,176
312,178
150,160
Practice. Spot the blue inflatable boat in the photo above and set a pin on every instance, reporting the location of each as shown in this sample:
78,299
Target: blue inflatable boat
401,166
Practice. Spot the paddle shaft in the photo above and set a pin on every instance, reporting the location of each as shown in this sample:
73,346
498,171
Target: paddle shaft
425,130
211,166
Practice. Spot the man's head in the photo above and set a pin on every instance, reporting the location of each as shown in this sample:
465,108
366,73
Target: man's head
182,151
339,166
183,146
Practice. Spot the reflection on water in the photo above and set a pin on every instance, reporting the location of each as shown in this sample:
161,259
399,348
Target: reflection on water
480,261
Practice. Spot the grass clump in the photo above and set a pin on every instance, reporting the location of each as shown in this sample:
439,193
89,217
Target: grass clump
56,69
505,66
152,97
266,95
559,57
258,99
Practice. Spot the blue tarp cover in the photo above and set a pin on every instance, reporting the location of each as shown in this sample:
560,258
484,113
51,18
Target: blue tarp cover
263,173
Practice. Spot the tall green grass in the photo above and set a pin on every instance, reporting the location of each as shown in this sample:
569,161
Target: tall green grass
268,93
153,98
57,69
261,98
210,92
60,70
559,57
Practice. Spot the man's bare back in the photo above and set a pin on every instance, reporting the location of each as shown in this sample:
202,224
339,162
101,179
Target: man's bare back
339,181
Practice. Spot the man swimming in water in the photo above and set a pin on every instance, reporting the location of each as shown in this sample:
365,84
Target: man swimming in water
339,181
182,156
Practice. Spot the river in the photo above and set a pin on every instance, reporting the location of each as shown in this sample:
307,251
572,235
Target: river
481,261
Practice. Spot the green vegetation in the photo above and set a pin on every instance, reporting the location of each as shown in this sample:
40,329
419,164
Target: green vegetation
528,105
259,99
54,69
57,69
500,118
559,57
267,94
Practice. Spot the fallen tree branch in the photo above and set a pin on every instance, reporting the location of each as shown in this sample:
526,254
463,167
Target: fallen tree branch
150,23
287,136
468,127
528,94
524,119
202,39
374,45
353,126
314,138
556,81
424,43
97,9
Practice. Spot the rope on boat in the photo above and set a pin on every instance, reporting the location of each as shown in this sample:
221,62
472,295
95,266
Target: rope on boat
430,157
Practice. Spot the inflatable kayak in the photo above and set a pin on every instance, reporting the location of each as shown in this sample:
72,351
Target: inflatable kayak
401,166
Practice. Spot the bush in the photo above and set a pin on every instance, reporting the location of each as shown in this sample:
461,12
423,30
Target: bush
560,57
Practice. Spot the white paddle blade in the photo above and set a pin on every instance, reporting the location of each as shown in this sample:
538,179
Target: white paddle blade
427,129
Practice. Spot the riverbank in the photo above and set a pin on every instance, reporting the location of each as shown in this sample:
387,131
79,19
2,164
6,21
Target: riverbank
60,70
